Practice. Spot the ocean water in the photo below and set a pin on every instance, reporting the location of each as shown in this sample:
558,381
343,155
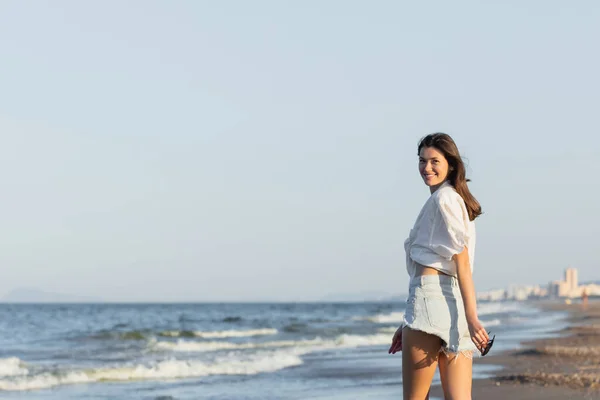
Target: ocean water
220,351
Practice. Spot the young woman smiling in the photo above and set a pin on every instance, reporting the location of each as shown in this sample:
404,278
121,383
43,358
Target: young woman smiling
441,326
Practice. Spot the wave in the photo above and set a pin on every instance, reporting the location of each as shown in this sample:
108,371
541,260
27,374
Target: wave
147,334
177,333
168,369
269,357
498,308
305,346
493,322
129,335
508,321
382,318
12,367
350,341
190,346
220,334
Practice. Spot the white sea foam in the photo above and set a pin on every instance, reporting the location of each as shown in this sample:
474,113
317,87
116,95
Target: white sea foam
189,346
516,320
12,367
192,346
493,322
350,341
497,308
383,318
169,369
43,381
268,357
300,346
223,334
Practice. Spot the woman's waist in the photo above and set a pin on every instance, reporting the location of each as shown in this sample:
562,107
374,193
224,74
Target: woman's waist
428,276
447,269
424,270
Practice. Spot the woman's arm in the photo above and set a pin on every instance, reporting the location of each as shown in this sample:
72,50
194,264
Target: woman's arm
478,333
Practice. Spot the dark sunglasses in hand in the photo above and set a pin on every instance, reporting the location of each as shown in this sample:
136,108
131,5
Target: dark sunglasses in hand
488,347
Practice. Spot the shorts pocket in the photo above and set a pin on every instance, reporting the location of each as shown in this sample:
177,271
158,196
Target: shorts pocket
438,312
409,313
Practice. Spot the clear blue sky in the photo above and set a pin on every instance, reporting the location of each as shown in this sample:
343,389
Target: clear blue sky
266,150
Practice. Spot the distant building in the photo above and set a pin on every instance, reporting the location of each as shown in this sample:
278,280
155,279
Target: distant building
567,288
492,295
539,292
558,289
592,289
571,279
524,292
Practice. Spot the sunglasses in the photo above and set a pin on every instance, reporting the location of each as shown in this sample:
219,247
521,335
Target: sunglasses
488,347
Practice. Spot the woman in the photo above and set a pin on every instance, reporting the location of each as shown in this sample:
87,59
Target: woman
440,324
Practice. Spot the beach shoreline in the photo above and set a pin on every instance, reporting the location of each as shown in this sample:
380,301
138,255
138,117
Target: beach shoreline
564,366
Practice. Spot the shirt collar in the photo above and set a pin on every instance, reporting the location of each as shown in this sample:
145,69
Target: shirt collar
446,183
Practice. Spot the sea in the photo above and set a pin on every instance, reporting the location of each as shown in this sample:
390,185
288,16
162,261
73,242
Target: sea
223,351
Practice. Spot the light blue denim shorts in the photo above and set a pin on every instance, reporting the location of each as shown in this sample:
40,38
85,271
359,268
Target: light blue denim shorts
435,306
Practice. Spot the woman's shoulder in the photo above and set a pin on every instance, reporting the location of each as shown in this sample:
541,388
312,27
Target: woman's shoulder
451,204
446,194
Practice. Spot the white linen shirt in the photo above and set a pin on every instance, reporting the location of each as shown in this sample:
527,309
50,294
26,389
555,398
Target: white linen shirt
441,230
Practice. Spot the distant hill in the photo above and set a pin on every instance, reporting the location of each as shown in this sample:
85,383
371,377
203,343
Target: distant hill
33,295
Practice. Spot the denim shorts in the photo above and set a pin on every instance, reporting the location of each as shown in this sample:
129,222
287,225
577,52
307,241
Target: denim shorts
435,306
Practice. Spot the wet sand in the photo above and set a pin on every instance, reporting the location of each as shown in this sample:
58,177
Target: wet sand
565,367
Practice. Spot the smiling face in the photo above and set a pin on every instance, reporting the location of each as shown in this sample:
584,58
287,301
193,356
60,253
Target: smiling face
433,167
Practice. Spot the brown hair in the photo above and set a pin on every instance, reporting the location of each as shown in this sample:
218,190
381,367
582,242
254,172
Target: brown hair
456,172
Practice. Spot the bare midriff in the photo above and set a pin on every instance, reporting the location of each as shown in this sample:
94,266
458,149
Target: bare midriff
423,270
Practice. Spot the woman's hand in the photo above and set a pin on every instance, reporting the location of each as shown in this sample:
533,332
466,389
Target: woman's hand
396,342
479,335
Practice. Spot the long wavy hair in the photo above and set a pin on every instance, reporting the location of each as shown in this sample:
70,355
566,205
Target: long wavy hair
456,171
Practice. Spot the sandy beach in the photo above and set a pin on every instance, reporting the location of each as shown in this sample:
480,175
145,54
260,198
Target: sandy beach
563,367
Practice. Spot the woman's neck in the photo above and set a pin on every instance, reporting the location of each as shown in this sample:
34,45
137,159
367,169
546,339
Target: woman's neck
432,189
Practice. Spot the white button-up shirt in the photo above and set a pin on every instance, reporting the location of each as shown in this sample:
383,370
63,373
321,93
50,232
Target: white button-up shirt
441,230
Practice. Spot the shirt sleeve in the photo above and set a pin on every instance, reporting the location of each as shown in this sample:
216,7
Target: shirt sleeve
450,233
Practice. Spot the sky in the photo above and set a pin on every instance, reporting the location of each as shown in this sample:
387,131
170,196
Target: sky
267,150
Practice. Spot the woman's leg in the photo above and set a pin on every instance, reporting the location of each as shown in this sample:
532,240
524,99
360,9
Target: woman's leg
456,372
420,353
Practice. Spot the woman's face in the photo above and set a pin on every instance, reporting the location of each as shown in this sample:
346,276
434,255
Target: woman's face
433,167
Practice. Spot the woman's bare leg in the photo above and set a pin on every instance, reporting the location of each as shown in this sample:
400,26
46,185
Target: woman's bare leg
456,373
420,353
